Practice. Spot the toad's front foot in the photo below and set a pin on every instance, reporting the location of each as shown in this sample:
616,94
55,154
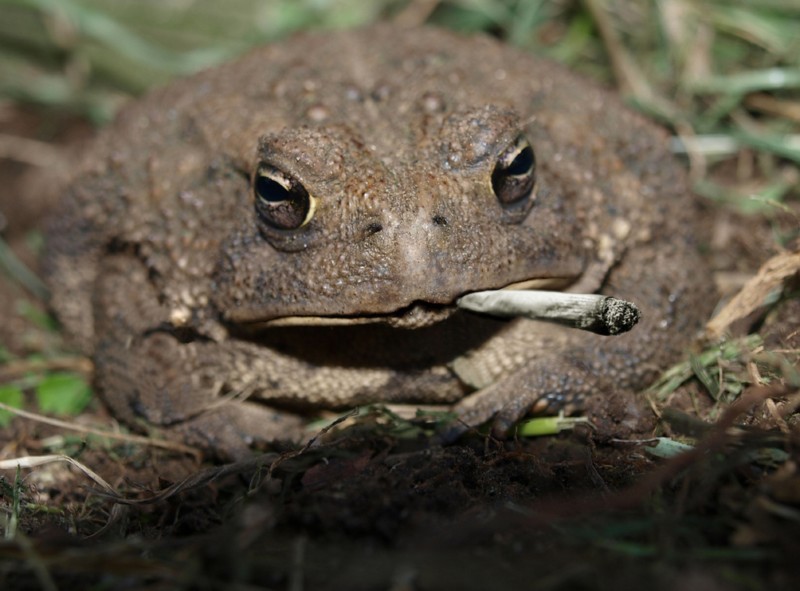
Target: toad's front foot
532,391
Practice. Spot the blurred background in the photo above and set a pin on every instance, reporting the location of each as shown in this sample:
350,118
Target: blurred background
723,74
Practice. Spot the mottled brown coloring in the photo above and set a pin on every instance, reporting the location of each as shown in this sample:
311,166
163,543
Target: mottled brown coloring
166,272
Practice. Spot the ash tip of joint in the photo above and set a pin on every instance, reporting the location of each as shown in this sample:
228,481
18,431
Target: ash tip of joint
619,315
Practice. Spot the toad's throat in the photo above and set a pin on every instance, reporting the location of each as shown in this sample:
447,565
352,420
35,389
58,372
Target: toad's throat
418,314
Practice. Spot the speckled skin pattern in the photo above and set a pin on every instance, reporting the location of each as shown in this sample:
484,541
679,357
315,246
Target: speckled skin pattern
164,270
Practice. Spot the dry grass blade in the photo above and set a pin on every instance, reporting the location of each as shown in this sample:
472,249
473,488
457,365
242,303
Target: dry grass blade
34,152
773,106
756,293
147,441
416,13
19,367
36,461
630,78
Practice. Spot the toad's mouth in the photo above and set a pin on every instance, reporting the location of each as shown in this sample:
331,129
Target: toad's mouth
418,314
442,332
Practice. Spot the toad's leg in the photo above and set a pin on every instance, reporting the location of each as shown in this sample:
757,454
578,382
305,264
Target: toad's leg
221,396
154,377
566,369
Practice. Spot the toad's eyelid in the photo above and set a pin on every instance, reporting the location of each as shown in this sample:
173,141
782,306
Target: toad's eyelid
275,175
517,147
522,163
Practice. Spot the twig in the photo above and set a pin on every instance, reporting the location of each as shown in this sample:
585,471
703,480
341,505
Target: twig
197,480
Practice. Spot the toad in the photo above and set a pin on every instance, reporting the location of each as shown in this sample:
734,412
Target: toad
289,232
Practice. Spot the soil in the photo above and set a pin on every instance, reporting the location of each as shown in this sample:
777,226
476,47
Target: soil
377,504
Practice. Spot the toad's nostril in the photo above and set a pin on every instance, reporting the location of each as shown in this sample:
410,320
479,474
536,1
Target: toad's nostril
374,228
439,220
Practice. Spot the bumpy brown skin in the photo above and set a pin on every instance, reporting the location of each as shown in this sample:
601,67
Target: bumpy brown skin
163,271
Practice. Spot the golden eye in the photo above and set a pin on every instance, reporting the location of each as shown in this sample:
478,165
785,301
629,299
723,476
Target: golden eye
281,200
514,175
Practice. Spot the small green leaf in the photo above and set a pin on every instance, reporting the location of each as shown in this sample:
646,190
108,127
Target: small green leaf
35,315
5,354
12,396
541,426
63,394
706,378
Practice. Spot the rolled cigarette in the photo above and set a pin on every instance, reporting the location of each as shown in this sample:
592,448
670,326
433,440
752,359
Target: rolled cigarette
596,313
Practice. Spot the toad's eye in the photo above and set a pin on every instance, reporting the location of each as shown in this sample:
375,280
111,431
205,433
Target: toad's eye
514,175
281,201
